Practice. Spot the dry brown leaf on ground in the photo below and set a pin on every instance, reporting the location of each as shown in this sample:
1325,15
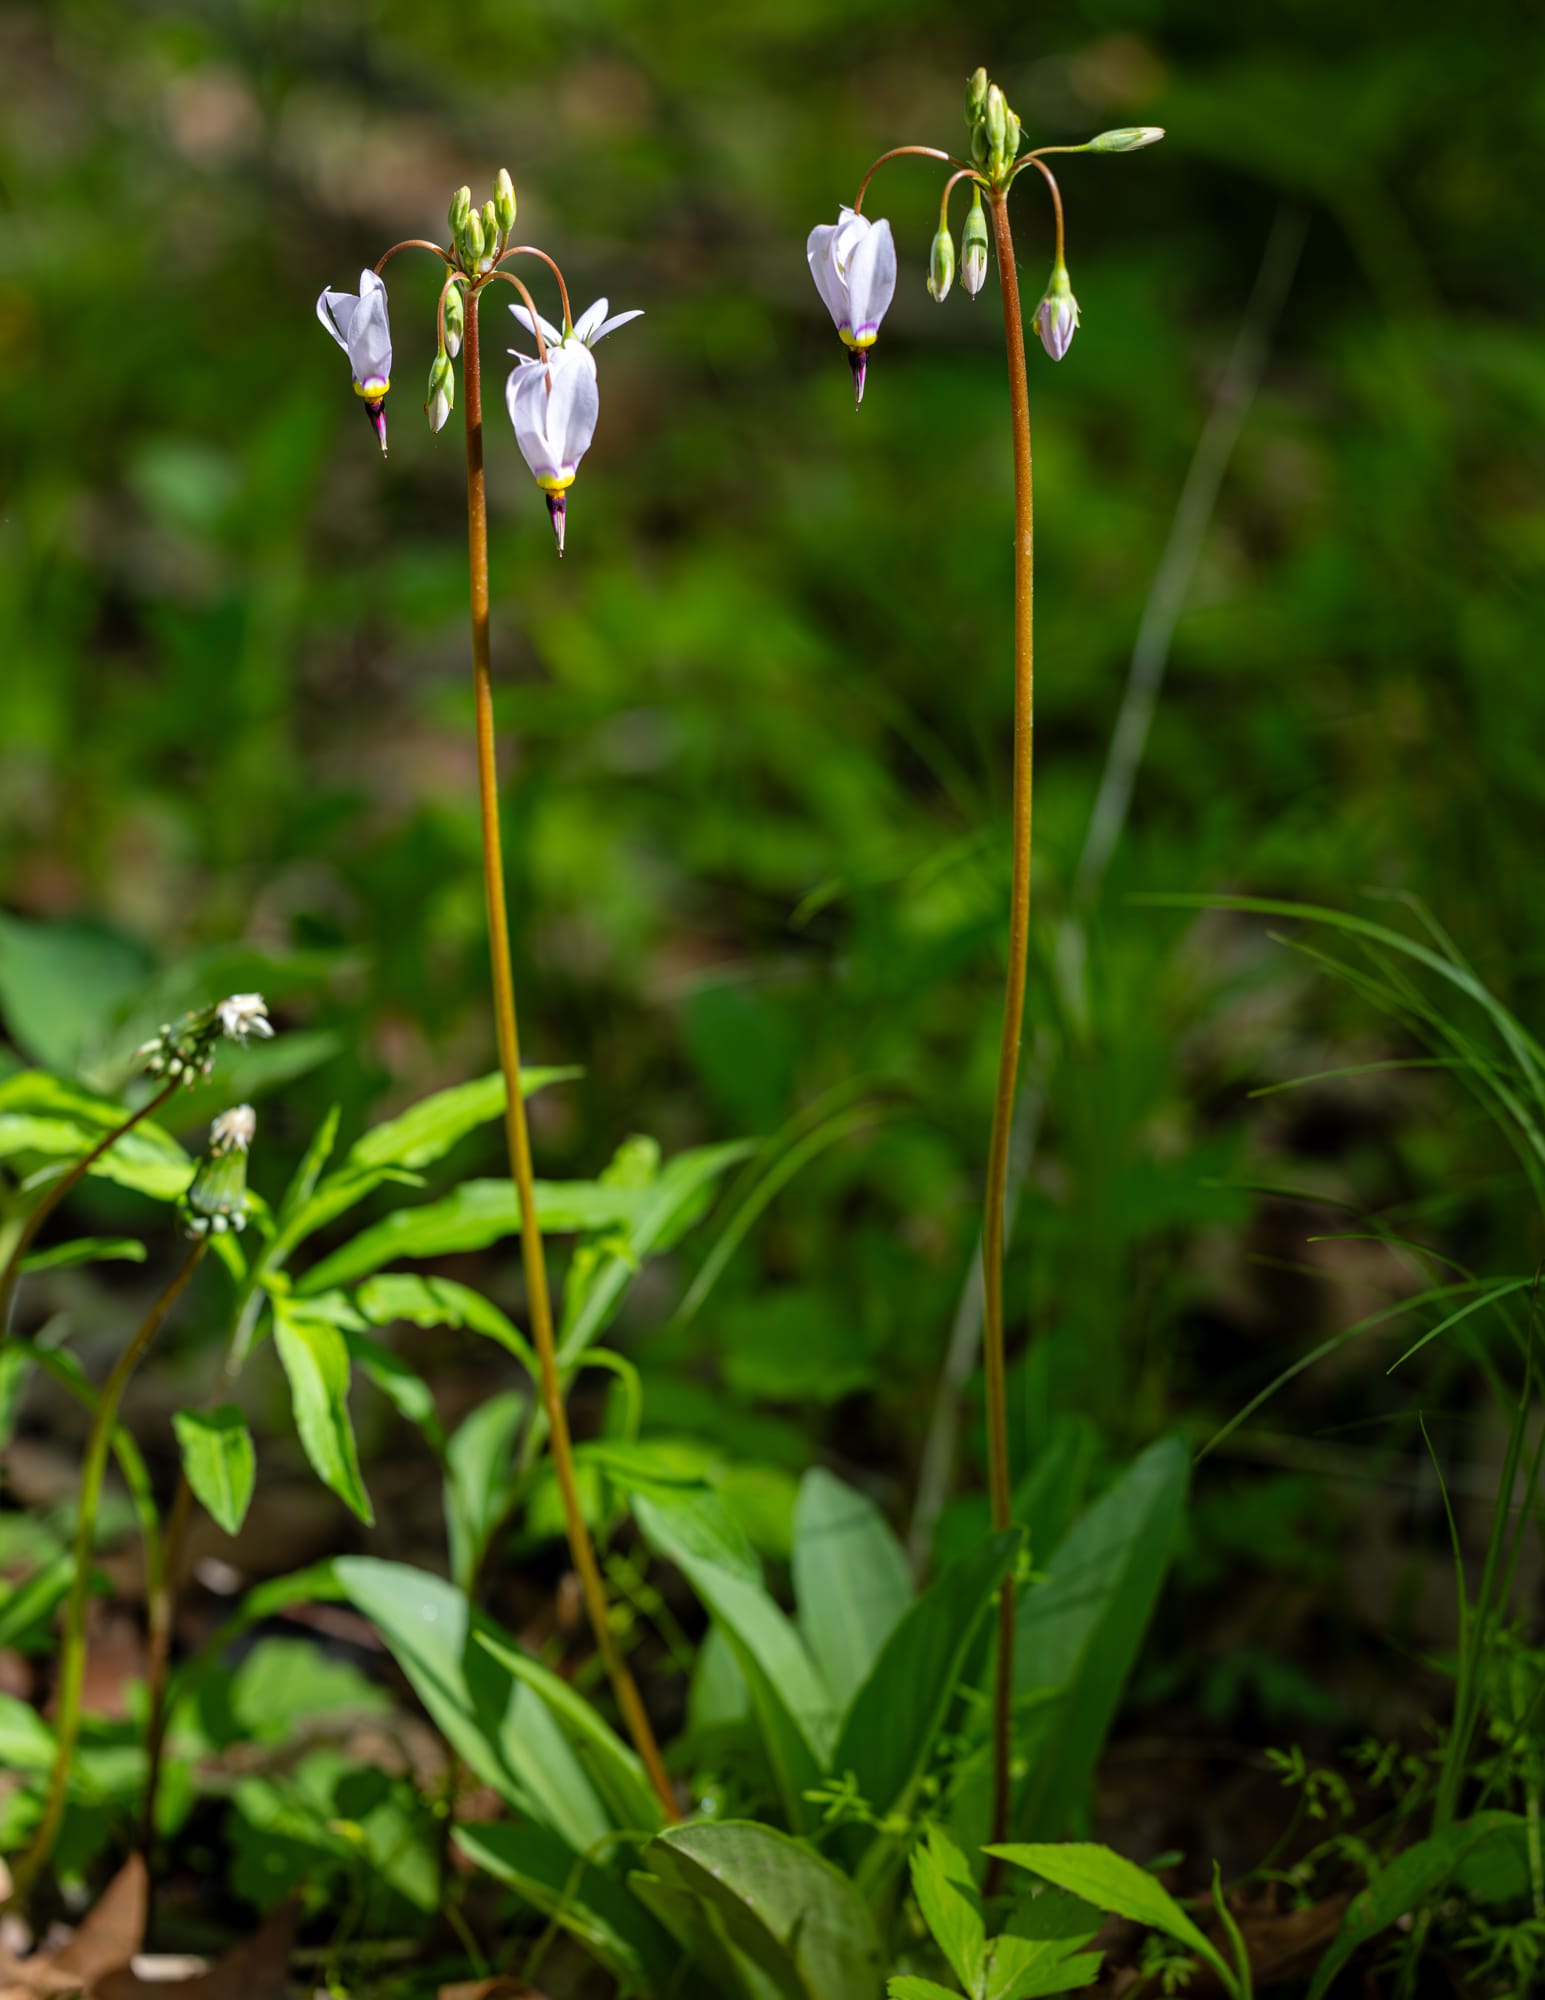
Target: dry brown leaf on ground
255,1969
106,1938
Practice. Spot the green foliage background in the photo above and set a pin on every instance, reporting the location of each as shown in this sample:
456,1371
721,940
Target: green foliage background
757,720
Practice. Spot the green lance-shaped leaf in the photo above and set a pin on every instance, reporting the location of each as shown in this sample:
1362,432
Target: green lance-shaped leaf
315,1355
219,1459
952,1910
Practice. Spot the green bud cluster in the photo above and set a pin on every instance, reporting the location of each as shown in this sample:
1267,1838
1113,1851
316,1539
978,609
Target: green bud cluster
479,235
994,127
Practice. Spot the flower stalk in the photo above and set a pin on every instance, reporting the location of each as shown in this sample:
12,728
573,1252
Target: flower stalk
517,1134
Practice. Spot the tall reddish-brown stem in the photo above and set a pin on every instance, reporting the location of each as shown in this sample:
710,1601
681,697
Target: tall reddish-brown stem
1013,999
580,1546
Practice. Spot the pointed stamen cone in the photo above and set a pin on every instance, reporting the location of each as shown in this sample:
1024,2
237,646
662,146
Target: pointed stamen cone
558,508
375,409
858,361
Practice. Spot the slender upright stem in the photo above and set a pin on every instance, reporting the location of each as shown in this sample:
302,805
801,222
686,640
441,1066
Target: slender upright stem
72,1662
1013,1000
580,1546
56,1194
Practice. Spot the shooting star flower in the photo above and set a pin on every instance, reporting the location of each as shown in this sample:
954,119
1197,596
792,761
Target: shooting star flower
853,262
359,324
554,407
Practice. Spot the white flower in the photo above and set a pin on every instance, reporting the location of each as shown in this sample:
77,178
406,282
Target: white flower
554,409
358,322
233,1129
853,262
591,326
244,1014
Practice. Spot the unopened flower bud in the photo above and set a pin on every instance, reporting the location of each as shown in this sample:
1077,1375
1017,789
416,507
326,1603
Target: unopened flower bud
973,247
504,200
976,95
941,264
995,117
491,230
455,319
442,391
469,240
1011,138
1126,139
1056,317
461,208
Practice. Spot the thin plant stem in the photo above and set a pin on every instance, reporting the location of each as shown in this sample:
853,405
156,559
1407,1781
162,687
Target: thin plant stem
161,1612
1013,1000
72,1666
530,250
904,152
56,1194
594,1590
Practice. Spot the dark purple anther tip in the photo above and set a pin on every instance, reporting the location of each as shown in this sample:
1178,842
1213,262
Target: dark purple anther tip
558,507
375,409
858,361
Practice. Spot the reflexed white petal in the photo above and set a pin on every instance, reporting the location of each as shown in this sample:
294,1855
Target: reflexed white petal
590,319
550,333
370,336
818,253
611,325
871,276
850,233
574,405
335,310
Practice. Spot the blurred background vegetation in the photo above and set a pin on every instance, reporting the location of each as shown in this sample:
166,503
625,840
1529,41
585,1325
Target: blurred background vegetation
756,721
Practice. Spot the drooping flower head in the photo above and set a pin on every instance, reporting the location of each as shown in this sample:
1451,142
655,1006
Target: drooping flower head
245,1014
1056,317
358,322
853,262
554,406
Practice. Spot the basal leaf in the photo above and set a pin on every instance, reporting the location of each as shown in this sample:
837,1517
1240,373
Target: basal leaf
851,1584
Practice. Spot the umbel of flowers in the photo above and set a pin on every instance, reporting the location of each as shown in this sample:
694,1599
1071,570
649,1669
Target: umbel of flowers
853,263
552,396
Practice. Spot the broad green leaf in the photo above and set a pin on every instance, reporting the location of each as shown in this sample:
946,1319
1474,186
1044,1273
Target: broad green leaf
906,1986
851,1584
26,1741
493,1721
952,1910
283,1687
792,1707
1112,1883
617,1771
700,1937
43,1114
315,1355
427,1131
693,1521
1403,1887
219,1459
313,1161
1078,1631
86,1250
590,1902
661,1213
891,1729
480,1480
793,1914
478,1214
394,1295
62,983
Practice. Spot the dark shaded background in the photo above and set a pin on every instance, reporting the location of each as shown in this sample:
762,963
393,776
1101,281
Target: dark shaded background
757,720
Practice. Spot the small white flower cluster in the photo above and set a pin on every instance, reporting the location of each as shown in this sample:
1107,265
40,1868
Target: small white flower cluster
185,1050
216,1200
